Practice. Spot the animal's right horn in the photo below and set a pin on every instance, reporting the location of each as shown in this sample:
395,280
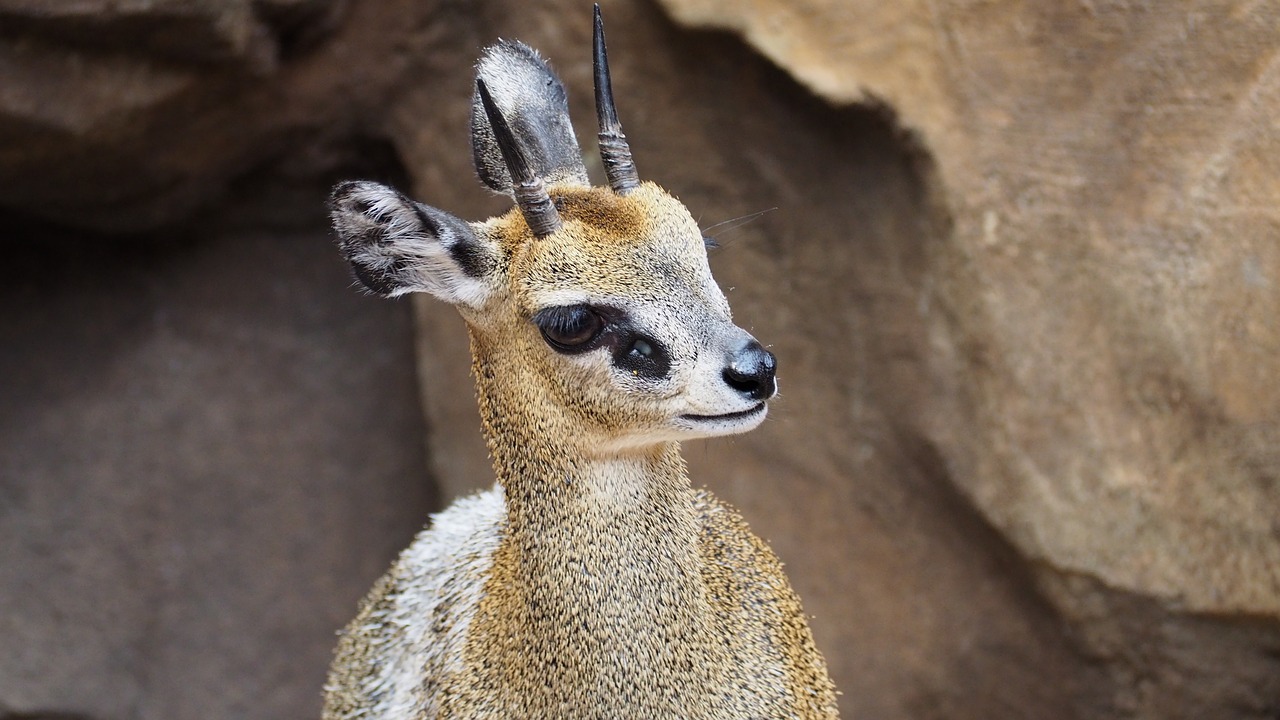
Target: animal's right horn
531,194
615,154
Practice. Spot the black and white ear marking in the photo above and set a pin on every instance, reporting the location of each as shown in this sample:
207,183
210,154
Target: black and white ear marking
397,246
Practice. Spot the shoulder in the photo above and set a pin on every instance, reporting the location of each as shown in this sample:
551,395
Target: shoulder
464,533
739,564
758,610
727,537
415,619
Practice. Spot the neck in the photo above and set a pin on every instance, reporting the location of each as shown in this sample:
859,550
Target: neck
614,537
541,459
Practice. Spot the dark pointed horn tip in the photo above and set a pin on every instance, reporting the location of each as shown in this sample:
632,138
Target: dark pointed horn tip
512,153
615,153
606,112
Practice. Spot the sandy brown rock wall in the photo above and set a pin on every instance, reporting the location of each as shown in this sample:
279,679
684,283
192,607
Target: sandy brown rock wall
208,451
1108,169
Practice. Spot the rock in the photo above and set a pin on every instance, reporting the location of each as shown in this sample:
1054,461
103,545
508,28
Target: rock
207,455
1112,274
206,31
138,113
248,33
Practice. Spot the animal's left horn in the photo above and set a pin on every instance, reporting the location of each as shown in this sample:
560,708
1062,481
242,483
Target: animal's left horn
531,193
615,154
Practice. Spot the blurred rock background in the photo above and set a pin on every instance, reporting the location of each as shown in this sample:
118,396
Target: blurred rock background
1023,276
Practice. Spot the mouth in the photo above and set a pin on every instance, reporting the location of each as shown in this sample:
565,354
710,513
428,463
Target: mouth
727,417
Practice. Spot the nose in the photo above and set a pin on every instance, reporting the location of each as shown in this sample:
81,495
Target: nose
752,371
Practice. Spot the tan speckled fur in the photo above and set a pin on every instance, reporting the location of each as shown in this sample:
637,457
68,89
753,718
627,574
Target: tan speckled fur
593,581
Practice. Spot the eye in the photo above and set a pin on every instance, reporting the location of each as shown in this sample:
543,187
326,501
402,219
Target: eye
568,329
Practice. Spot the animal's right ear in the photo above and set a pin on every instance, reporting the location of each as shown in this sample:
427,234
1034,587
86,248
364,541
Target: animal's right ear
397,246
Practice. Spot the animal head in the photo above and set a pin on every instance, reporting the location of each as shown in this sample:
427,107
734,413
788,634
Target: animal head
594,303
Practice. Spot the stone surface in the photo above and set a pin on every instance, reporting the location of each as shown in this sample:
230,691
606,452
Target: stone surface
1111,287
184,30
121,116
208,452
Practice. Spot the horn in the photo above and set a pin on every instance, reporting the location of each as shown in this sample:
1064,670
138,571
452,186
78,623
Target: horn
531,194
615,154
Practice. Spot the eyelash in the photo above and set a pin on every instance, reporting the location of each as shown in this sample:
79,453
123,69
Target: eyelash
572,328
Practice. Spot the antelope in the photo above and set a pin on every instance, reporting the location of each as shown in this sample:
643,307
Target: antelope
593,580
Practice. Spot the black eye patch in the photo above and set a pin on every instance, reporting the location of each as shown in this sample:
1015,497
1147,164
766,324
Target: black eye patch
642,356
574,329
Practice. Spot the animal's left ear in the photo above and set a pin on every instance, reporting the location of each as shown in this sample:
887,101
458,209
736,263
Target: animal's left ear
397,246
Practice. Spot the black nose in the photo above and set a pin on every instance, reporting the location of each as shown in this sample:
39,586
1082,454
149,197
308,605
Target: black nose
751,372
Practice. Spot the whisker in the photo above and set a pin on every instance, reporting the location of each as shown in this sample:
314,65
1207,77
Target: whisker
733,224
